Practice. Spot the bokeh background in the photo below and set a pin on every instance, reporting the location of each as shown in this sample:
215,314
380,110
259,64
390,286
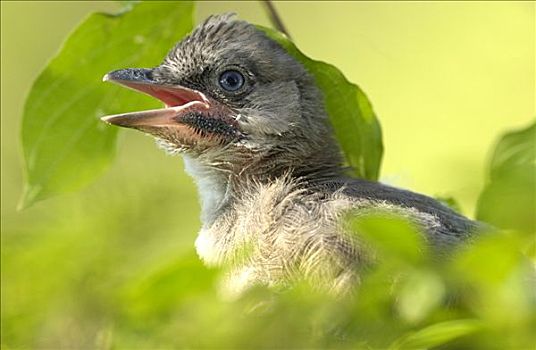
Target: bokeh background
445,78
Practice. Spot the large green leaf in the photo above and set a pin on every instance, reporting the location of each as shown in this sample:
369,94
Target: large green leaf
509,198
356,127
65,144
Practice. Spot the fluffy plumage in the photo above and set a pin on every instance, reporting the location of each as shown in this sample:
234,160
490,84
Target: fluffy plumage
273,184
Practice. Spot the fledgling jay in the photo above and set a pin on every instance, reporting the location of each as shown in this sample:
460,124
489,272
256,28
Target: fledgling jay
251,126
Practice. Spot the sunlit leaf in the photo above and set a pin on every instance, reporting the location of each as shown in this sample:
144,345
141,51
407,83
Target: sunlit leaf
65,144
356,127
509,199
418,294
437,334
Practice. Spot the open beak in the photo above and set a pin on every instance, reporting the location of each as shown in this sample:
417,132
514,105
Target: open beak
178,100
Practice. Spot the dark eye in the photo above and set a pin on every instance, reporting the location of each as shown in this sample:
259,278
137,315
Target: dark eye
231,80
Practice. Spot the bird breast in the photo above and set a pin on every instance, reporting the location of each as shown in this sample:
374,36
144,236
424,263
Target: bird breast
278,231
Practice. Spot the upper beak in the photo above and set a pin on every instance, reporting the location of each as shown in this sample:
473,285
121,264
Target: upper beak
178,99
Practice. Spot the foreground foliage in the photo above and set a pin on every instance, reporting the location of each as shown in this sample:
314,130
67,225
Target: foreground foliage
408,300
479,298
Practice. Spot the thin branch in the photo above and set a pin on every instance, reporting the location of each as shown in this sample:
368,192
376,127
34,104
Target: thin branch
274,17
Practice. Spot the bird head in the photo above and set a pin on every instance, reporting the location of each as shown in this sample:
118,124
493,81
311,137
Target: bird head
234,99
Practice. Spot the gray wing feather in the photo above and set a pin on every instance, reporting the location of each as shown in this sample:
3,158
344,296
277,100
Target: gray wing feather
453,227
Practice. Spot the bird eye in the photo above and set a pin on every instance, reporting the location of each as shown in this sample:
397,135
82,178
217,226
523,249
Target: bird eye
231,80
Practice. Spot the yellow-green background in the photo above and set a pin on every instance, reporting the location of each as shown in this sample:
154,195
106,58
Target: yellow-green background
445,78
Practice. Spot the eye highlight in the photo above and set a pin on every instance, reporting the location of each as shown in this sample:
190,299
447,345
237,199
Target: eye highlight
231,80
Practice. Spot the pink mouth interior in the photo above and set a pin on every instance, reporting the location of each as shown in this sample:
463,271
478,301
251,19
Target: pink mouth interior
171,96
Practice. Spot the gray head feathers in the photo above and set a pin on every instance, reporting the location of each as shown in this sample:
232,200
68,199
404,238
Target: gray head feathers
281,111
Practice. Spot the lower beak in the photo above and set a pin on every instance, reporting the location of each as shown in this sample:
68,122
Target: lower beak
179,100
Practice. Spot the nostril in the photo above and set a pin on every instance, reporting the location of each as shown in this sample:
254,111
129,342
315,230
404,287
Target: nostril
149,74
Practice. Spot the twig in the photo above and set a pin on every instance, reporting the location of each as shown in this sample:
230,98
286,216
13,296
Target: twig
274,17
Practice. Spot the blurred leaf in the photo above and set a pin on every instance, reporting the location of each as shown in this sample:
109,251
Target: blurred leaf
65,144
515,149
419,293
163,290
509,199
496,280
355,124
492,259
437,334
393,237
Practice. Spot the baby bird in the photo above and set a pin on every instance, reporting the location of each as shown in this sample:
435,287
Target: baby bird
251,126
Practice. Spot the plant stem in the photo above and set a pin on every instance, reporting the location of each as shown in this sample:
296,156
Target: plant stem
274,17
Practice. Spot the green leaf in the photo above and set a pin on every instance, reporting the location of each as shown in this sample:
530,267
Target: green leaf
437,334
391,236
163,290
493,259
420,292
65,144
509,198
355,124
